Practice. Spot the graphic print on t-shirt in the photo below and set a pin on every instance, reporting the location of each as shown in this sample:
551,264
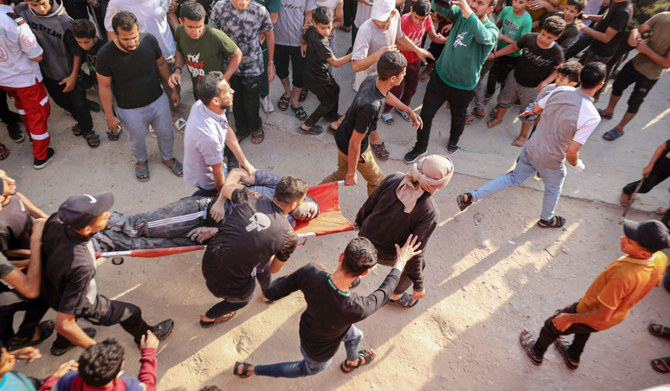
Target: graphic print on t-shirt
459,40
194,65
259,221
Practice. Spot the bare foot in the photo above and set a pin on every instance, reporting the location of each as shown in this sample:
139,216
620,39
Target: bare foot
520,141
492,123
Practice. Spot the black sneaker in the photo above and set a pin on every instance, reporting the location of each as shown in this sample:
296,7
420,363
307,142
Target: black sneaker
451,148
15,132
161,330
58,350
316,129
93,106
411,156
40,163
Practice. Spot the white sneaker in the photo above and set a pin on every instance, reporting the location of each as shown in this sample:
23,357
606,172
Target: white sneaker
268,107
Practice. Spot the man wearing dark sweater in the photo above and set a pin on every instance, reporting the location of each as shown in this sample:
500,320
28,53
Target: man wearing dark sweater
332,310
400,206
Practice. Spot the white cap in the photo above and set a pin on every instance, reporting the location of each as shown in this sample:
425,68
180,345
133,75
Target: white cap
381,10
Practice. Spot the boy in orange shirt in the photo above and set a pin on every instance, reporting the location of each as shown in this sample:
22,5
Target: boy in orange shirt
610,297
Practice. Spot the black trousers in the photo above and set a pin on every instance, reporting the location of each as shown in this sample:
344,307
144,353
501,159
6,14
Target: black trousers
328,93
286,54
35,310
627,76
437,92
550,333
657,175
501,68
246,103
74,102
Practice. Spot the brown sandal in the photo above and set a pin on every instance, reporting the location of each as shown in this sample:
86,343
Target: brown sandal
4,152
258,136
380,150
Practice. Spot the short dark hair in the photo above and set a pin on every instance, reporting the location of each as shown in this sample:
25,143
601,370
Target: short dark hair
571,70
290,189
579,4
592,74
391,64
210,388
83,28
124,20
322,15
554,25
208,86
421,7
192,10
359,256
100,363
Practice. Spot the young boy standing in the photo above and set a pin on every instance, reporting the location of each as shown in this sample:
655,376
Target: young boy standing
414,24
535,70
62,60
610,297
513,22
570,12
317,76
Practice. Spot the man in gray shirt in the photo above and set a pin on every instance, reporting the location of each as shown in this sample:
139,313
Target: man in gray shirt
568,119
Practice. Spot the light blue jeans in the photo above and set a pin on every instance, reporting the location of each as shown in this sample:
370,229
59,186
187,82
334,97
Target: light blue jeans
136,122
308,366
525,168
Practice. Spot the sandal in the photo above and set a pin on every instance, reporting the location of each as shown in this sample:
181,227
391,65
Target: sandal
380,150
660,364
175,167
478,113
403,115
387,118
114,136
659,330
245,369
92,139
527,344
76,130
283,103
367,355
462,202
299,112
405,301
469,119
258,136
303,95
612,135
42,332
4,152
555,222
603,116
563,347
142,172
220,319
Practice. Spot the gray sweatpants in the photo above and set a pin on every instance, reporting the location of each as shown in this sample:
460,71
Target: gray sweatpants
136,122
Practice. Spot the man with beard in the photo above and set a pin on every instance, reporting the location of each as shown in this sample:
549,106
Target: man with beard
128,69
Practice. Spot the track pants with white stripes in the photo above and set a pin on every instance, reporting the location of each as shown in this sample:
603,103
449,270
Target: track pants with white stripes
32,104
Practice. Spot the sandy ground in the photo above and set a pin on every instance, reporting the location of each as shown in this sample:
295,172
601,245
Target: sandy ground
491,271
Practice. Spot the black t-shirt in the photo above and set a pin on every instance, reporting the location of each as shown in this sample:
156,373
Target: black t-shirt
617,16
536,64
362,115
91,55
318,53
68,269
255,230
663,161
135,78
330,312
16,225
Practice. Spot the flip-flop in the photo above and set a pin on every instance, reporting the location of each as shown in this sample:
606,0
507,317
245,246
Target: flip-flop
659,330
612,135
663,362
405,301
603,116
403,115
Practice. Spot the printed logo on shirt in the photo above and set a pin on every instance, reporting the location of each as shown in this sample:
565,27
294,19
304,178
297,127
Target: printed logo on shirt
459,40
259,221
194,65
29,40
40,27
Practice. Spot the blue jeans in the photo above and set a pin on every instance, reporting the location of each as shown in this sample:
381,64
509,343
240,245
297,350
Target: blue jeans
525,168
307,366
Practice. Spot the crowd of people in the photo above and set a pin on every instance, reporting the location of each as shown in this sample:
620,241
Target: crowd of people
135,54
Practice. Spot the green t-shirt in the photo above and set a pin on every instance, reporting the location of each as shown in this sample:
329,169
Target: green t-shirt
271,5
211,52
514,27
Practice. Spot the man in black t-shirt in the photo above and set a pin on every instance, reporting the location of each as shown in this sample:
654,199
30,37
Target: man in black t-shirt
255,238
68,281
608,32
361,119
128,69
332,310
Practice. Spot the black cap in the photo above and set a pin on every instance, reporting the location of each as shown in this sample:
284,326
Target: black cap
650,234
77,211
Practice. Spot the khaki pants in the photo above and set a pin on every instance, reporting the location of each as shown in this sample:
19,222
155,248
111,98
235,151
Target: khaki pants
367,166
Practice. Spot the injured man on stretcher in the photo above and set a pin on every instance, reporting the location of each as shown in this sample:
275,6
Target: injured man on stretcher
189,221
